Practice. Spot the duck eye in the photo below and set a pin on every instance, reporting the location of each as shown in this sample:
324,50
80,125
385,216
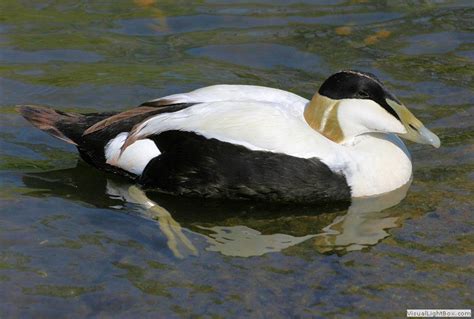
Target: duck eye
363,94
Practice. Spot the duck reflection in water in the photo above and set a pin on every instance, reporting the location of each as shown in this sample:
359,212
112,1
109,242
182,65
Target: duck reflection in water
241,229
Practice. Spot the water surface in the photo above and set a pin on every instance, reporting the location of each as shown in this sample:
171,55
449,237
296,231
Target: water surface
76,242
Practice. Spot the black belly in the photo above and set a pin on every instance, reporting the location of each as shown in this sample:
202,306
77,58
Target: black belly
193,165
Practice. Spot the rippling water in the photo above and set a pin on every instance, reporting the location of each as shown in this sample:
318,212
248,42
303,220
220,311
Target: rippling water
75,242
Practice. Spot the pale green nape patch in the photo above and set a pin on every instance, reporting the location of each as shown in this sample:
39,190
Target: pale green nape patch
321,115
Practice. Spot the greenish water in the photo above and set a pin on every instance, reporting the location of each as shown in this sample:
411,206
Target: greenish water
75,242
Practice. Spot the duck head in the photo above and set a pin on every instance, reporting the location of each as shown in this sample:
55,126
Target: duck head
351,103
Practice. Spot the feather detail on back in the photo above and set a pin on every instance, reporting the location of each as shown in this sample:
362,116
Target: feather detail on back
144,112
224,93
255,125
118,117
158,103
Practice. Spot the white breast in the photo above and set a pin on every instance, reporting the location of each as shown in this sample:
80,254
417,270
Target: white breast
379,163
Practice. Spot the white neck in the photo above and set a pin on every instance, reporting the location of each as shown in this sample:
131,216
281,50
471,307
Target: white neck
377,164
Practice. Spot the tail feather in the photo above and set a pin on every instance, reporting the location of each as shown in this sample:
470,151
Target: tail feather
48,119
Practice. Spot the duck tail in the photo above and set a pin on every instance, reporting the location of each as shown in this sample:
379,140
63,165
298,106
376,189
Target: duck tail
54,122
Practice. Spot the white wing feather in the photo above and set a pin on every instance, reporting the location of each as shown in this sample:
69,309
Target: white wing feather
258,118
255,125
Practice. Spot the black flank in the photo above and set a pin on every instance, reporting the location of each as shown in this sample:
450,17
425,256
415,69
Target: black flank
193,165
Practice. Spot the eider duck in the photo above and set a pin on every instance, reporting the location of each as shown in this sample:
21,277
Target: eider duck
252,142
